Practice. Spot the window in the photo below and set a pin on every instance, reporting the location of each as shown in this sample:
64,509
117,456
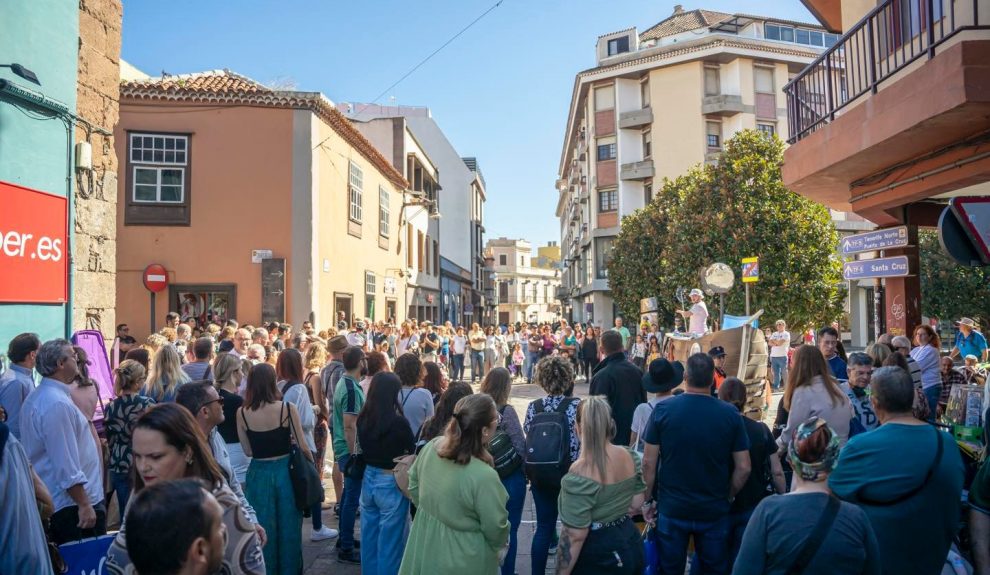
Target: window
711,81
159,167
608,201
831,39
714,135
603,255
503,292
766,100
817,38
647,143
436,258
604,98
618,45
766,129
644,92
383,212
161,185
419,244
206,302
369,295
647,192
772,32
369,283
409,246
522,261
606,149
502,259
763,79
802,36
355,185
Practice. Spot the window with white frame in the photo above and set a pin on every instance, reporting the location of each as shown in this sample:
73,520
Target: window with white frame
714,135
383,212
603,255
606,149
355,185
647,144
618,45
159,163
608,201
800,35
605,98
369,283
766,128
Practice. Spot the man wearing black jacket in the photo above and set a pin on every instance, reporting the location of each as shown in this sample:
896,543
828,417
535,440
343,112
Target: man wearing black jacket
619,381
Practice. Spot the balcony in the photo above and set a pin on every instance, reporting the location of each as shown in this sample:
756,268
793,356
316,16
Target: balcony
562,293
722,105
637,170
892,114
636,118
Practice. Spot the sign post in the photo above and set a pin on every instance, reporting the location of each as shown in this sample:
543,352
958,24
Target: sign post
155,280
750,274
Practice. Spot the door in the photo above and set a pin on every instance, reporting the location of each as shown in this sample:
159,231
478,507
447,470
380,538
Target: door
342,303
390,311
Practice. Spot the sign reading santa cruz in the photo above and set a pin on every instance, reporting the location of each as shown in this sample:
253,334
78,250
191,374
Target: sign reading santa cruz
892,267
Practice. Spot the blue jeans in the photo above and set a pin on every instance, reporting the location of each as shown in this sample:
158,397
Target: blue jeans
121,483
932,394
779,366
348,507
545,501
532,358
384,511
457,361
477,364
737,526
515,485
711,545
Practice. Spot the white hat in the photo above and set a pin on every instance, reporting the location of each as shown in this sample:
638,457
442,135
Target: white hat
967,321
697,292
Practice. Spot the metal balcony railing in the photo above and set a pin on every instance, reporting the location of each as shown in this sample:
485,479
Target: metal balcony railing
885,41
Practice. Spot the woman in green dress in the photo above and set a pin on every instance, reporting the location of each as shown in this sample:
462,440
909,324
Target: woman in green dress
461,523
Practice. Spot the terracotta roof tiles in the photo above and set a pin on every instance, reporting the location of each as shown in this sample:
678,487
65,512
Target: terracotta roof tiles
684,22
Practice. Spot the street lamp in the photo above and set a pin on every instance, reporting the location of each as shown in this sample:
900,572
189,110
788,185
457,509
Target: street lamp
23,72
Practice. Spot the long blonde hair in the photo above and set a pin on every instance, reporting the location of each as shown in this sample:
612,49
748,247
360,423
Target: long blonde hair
166,373
594,419
316,356
224,367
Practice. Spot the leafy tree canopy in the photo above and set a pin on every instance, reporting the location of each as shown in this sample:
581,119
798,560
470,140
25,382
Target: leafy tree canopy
948,290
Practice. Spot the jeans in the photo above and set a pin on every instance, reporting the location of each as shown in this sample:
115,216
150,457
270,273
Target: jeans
457,360
737,526
121,483
515,485
383,523
779,366
710,544
477,364
545,501
317,510
238,461
532,358
932,394
588,365
348,507
64,524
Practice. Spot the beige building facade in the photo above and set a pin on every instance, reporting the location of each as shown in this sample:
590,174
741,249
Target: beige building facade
524,291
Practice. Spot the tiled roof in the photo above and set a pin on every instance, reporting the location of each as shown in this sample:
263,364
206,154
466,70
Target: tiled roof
684,22
220,87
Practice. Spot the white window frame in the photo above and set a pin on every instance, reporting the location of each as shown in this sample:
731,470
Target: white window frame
370,284
355,185
159,145
647,144
158,184
708,145
384,213
767,128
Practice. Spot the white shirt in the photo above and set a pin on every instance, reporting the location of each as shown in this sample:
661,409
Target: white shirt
780,350
460,344
699,318
357,339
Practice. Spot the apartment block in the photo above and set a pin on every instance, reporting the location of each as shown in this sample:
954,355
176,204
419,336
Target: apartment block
525,292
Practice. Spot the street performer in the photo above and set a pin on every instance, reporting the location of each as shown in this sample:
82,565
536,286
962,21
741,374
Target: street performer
697,316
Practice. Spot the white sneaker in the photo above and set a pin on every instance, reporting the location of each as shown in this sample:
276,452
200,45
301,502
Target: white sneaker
323,534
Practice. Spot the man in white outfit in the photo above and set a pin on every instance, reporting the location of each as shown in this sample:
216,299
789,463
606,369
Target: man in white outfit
697,316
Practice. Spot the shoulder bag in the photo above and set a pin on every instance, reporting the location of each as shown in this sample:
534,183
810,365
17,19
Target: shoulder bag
816,537
924,483
306,487
403,464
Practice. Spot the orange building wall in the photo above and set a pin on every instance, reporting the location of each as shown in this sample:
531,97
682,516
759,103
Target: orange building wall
241,188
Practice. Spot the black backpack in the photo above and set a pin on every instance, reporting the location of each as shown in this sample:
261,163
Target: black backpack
507,459
548,444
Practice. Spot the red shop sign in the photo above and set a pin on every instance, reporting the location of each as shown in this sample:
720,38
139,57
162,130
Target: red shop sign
33,246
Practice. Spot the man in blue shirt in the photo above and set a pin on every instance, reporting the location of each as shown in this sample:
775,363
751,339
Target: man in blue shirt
969,341
828,343
703,450
18,381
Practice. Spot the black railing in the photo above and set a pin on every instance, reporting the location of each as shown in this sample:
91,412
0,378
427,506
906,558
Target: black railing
889,38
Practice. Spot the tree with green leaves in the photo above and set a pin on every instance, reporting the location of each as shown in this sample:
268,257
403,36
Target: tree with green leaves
949,290
723,212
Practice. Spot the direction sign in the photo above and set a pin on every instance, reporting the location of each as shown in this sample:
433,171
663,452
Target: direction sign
974,213
750,270
892,267
875,240
155,278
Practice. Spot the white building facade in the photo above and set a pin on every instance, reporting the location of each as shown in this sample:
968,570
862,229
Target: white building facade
525,292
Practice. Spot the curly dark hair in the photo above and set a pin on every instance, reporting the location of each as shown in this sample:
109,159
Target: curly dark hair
409,369
555,375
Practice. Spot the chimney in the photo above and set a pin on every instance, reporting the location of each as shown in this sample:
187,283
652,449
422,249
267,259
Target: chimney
678,9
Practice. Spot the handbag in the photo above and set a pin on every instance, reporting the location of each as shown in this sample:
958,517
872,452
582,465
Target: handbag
816,537
306,487
355,466
403,464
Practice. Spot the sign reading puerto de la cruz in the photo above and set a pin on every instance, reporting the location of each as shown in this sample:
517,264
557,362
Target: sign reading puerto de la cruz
875,240
33,246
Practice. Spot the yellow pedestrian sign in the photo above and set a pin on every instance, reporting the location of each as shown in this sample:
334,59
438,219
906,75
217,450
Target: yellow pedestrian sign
750,270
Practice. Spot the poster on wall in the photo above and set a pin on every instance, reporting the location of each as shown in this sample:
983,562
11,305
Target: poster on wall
205,306
33,246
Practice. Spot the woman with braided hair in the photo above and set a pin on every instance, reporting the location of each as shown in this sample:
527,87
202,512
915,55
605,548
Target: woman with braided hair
461,521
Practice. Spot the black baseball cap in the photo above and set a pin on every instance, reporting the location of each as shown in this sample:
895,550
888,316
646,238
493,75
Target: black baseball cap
717,351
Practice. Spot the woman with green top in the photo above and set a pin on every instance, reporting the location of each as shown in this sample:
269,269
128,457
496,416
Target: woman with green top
461,520
603,487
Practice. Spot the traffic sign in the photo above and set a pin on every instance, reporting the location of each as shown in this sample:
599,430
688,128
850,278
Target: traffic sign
875,240
155,278
892,267
750,270
974,213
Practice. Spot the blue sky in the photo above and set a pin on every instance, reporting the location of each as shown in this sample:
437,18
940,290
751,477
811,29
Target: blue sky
500,92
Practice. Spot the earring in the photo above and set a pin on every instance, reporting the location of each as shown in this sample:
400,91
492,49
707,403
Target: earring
189,461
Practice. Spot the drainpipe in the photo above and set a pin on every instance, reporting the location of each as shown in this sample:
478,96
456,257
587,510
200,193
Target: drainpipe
70,225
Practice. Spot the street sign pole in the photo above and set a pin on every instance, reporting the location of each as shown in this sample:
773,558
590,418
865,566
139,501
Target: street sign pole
153,329
747,299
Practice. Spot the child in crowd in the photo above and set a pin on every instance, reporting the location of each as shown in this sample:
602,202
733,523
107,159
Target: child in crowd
518,357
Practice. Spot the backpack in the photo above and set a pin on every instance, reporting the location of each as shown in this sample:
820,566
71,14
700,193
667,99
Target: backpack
548,444
507,459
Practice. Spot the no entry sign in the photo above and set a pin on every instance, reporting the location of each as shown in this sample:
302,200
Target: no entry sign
155,278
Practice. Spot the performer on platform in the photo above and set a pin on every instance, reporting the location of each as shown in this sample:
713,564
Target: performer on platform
697,316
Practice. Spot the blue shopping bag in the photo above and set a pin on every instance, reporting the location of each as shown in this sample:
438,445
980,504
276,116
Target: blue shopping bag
86,557
652,550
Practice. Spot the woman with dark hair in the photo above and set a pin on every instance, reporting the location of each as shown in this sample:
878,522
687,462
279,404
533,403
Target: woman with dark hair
167,444
263,425
926,353
435,426
461,522
434,382
383,434
377,363
417,403
782,527
811,391
140,355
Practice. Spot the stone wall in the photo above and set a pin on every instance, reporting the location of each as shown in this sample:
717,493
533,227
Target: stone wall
94,255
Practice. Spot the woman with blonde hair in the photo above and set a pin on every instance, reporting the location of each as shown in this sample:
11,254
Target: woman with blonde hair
316,358
599,493
228,372
811,391
121,416
155,342
879,352
165,375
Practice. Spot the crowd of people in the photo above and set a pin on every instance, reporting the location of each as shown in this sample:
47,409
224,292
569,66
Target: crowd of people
215,443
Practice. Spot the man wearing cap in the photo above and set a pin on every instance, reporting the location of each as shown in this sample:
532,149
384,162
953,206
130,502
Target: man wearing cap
697,316
717,354
357,338
969,341
660,379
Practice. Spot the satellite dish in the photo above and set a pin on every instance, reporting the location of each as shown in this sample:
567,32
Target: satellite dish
718,278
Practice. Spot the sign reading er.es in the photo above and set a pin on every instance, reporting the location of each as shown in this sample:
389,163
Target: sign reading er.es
33,245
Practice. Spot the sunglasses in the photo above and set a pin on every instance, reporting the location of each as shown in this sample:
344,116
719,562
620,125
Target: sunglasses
217,400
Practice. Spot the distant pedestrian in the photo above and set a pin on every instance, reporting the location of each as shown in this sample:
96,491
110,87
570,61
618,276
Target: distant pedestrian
18,381
828,342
